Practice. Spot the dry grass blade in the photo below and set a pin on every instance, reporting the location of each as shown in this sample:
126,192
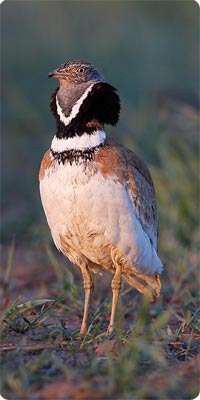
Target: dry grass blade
9,264
16,316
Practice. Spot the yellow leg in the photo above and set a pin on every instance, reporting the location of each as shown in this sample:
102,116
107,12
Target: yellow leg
116,286
88,286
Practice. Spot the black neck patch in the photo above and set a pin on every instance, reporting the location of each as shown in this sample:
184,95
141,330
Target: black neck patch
75,156
101,106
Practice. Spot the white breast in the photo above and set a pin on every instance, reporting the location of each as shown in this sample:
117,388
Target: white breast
97,216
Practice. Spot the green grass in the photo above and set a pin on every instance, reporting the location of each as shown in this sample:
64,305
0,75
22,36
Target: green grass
160,341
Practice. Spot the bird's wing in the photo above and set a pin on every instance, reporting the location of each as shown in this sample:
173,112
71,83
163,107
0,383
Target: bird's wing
118,161
142,193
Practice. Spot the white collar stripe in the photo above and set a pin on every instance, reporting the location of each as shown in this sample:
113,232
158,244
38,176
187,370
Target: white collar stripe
75,109
85,141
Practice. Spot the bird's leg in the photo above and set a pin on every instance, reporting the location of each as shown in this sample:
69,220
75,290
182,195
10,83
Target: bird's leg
88,286
116,286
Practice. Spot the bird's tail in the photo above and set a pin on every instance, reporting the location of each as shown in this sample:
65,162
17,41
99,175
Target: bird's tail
145,283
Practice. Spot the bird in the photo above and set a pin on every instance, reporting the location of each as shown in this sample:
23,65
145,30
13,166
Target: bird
98,196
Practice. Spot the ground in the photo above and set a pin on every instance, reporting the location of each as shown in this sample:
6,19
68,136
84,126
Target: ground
152,354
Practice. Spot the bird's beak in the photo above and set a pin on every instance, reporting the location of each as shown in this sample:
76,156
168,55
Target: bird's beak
56,73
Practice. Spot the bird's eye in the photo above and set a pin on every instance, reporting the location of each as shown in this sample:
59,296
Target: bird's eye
81,70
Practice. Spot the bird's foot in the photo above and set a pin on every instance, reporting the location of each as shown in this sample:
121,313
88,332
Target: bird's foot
83,330
109,330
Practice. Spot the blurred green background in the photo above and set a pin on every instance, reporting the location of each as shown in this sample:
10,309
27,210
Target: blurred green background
149,51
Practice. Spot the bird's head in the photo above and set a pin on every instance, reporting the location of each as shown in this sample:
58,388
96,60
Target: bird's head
84,101
76,73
